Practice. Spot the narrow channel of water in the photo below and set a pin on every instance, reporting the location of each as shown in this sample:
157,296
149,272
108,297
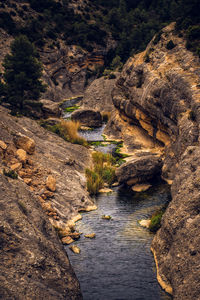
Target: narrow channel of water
118,263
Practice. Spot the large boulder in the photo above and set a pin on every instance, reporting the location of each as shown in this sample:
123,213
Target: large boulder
87,117
50,108
139,169
25,143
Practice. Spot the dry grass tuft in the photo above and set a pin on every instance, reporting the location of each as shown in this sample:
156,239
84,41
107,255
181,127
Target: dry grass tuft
103,171
68,130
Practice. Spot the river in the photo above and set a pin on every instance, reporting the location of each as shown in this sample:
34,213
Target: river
118,264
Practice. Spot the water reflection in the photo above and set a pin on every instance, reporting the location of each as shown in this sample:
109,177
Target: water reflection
118,264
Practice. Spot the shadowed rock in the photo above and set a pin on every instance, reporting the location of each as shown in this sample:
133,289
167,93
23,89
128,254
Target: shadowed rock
139,169
87,117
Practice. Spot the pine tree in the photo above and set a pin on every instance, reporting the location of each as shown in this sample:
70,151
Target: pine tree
22,73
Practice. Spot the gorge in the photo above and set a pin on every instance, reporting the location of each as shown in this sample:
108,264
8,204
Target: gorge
151,107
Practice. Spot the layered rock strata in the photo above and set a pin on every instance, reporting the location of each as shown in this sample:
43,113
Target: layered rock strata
157,110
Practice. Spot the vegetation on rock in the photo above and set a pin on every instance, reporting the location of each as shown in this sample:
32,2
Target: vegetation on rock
68,130
12,174
132,24
156,218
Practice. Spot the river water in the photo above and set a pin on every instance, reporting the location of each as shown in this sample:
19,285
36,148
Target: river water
118,264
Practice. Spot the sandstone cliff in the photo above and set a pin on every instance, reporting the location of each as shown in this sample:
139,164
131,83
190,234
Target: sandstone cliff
157,109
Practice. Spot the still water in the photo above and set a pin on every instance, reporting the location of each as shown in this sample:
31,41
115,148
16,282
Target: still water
118,264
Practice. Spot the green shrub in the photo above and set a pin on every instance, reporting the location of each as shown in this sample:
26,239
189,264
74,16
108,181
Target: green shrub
112,76
103,171
12,174
94,182
71,108
108,175
156,220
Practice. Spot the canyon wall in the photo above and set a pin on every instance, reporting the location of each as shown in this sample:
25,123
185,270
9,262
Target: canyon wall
157,109
45,198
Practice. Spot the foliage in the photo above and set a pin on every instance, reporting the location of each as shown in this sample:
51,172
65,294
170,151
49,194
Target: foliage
132,24
68,130
22,74
12,174
94,182
71,108
103,171
156,220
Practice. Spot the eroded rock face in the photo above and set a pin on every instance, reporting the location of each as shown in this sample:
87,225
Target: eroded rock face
98,95
139,169
65,70
87,117
157,108
52,158
50,108
176,245
33,261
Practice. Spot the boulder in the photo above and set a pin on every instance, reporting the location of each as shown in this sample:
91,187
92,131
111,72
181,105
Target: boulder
3,146
141,187
87,117
21,155
25,143
16,167
51,183
67,240
98,94
90,235
139,169
75,249
50,108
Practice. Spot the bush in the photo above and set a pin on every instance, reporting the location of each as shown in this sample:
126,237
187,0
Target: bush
156,220
12,174
170,45
103,171
68,130
94,182
112,76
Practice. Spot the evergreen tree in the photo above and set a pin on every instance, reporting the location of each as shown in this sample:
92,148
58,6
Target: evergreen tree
22,73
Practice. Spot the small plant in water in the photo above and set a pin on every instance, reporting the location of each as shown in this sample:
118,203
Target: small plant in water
103,171
71,108
156,220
